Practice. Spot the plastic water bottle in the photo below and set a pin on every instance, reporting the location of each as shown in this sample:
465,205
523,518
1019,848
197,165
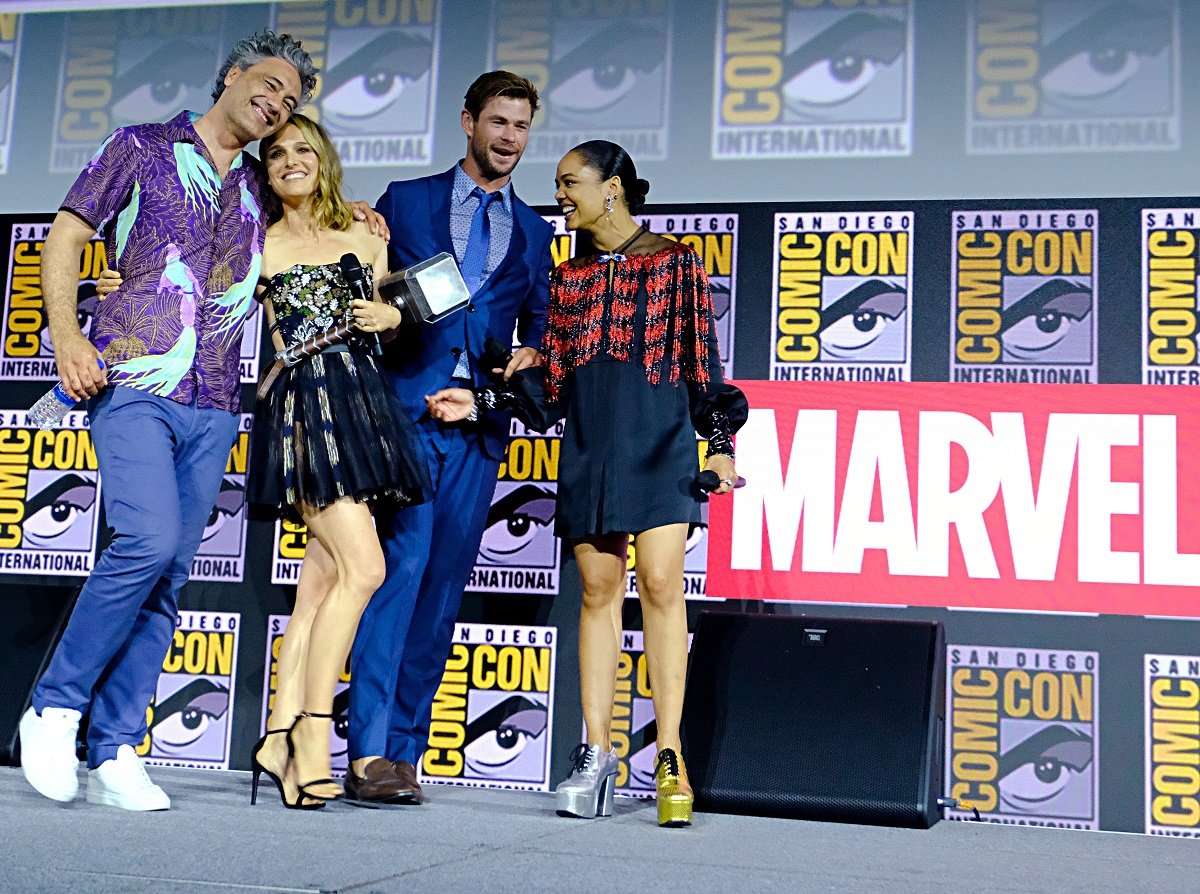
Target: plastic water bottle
52,406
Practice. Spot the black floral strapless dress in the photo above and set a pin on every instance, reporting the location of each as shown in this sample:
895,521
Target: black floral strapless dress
329,427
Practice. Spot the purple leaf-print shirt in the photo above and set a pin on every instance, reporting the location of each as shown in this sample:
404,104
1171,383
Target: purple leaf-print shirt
189,248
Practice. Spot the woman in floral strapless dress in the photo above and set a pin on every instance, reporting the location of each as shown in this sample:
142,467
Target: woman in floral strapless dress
327,449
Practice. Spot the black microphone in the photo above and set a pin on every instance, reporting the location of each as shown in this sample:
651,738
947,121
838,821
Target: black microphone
708,480
352,272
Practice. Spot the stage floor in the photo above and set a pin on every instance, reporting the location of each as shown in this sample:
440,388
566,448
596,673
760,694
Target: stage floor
475,841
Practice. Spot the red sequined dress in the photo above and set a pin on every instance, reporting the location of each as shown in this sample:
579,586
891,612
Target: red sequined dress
630,349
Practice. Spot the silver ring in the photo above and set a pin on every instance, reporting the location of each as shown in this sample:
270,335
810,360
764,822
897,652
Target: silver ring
727,481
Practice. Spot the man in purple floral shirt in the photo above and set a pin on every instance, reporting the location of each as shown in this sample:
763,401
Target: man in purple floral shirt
180,206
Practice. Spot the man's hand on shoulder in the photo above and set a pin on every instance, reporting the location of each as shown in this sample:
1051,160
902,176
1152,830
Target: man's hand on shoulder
373,219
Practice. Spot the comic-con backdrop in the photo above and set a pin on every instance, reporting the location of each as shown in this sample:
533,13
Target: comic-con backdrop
717,100
974,410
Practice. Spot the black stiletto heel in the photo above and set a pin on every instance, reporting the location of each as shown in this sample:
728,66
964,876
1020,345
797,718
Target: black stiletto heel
258,769
302,788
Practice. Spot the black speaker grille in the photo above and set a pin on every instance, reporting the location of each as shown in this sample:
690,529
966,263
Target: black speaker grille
842,731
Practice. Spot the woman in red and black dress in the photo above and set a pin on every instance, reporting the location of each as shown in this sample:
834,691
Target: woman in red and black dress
631,360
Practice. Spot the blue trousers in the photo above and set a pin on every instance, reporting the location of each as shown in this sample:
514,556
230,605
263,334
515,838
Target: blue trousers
400,650
161,465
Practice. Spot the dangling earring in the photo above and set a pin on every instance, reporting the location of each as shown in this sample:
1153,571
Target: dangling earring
608,204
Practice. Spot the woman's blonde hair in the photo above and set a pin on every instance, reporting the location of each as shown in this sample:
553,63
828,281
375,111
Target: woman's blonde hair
329,208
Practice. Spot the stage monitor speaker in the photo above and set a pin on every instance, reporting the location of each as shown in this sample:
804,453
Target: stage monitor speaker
816,718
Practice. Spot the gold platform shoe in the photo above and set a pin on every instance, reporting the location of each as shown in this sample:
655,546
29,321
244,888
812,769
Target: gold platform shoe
674,793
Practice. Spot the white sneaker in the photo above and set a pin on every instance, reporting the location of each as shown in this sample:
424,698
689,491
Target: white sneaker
122,782
48,752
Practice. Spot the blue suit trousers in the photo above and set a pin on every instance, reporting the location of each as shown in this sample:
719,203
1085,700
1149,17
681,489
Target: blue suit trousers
404,636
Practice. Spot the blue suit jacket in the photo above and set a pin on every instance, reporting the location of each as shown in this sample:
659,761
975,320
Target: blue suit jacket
421,360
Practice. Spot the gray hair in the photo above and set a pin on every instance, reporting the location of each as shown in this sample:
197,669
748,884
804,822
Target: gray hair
252,50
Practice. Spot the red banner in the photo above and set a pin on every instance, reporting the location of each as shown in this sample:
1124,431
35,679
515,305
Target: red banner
1004,497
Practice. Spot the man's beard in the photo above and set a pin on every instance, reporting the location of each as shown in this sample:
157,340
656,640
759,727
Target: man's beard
484,162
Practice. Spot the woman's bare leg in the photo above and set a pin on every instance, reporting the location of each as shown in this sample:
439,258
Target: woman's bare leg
317,574
601,562
660,554
347,534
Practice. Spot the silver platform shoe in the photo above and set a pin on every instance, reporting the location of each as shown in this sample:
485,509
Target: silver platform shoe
588,791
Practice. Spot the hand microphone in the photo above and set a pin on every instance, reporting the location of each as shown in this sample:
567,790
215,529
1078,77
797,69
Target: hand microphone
352,272
708,480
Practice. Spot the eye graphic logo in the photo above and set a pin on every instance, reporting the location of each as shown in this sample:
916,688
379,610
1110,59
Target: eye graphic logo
1024,296
1073,76
49,504
493,713
815,82
1169,324
519,552
505,737
188,721
519,524
156,64
27,352
601,70
842,292
10,52
1021,736
1172,743
378,77
195,711
60,514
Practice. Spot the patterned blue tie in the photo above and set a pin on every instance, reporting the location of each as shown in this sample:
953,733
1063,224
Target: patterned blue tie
477,241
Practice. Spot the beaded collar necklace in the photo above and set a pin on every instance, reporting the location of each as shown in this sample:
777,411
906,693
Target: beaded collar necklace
616,254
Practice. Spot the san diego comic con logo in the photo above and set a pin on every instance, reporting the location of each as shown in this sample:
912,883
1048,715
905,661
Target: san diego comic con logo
188,720
27,352
1172,747
10,53
1170,246
601,68
222,552
339,730
1021,736
519,552
49,496
813,78
378,60
493,714
842,293
1023,296
1072,76
125,67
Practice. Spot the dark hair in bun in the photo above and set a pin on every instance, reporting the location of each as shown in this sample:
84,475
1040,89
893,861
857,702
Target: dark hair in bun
613,161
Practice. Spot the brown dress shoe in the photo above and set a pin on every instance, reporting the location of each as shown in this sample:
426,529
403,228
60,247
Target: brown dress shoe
379,786
407,773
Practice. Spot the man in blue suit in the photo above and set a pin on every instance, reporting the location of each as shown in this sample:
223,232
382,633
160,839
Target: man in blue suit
503,250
